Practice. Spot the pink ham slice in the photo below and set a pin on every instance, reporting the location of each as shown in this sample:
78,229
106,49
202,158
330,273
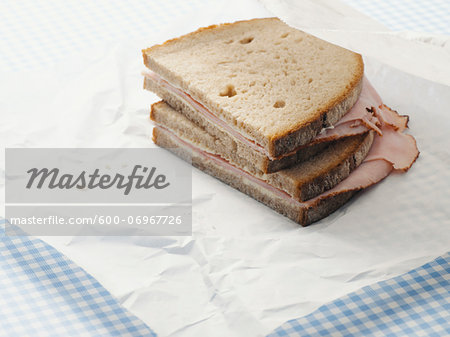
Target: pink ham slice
349,128
357,121
392,118
397,148
363,110
369,112
367,174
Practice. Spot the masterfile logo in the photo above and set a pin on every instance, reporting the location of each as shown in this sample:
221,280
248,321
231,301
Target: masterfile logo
96,176
54,179
98,192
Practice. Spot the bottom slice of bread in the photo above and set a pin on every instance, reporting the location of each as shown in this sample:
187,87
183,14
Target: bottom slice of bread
303,213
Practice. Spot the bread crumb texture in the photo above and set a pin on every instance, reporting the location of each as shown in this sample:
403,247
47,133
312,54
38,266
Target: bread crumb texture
261,76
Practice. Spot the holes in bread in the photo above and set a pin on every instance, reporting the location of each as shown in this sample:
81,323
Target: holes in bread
279,104
310,80
284,35
299,40
229,41
228,91
246,40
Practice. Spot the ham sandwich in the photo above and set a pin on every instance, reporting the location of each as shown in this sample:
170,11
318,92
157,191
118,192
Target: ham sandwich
304,181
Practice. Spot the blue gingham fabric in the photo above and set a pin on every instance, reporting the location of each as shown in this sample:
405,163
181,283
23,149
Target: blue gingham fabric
414,304
431,16
42,293
39,33
35,34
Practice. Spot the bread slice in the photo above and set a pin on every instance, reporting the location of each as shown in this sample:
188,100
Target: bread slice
301,213
272,83
302,181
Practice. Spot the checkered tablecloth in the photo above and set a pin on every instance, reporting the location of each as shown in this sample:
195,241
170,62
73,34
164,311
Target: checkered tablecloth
414,304
35,34
431,16
42,293
40,33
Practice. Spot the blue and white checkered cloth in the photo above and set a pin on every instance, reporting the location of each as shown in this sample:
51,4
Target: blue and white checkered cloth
430,16
414,304
42,293
35,34
40,33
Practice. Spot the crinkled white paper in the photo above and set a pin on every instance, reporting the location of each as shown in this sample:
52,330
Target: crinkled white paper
246,269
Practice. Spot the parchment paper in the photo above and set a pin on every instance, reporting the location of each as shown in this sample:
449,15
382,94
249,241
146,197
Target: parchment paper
246,269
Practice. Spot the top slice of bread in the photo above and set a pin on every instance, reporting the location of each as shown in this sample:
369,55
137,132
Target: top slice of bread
274,84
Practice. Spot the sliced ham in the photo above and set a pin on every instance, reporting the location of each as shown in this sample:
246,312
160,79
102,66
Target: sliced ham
367,174
392,118
364,108
397,148
357,115
368,113
348,128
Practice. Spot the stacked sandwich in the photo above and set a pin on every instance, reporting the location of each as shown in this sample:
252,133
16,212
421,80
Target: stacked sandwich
278,114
